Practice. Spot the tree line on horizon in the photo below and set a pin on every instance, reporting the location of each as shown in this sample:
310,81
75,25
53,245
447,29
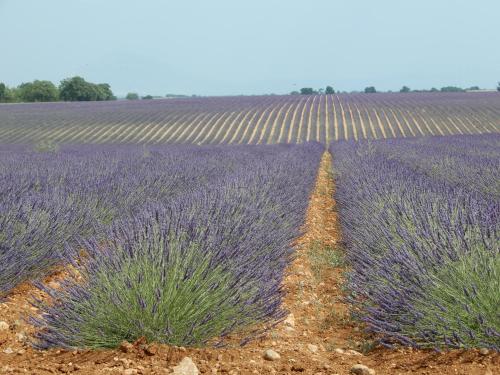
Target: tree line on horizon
78,89
72,89
373,90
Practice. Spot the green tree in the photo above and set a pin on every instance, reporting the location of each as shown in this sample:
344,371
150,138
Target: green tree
147,97
7,94
307,91
405,89
38,91
498,87
295,93
77,89
132,96
329,90
3,90
104,92
370,90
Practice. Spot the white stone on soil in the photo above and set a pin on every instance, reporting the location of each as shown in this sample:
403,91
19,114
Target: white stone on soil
362,370
4,326
8,351
186,367
20,336
271,355
312,348
290,321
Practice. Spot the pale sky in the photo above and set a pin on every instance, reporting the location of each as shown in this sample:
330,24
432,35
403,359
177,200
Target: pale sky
229,47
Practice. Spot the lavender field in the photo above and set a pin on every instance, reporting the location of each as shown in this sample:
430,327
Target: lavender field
188,244
179,244
252,119
421,221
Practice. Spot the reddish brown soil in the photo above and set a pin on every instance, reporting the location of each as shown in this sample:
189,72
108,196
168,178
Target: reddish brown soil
314,299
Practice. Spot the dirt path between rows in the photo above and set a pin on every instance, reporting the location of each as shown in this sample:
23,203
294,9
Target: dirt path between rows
317,337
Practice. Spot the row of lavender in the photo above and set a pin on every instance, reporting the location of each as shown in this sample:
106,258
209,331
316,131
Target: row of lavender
178,244
252,119
421,223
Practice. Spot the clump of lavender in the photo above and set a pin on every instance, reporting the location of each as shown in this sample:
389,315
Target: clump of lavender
157,277
194,268
422,242
467,290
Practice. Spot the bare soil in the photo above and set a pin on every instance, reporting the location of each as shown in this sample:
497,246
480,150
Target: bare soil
318,337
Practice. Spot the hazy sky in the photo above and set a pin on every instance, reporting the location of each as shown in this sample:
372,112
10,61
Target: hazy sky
217,47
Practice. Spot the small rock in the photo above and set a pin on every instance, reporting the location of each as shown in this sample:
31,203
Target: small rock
126,347
8,351
362,370
312,348
290,321
21,351
484,351
186,367
271,355
289,329
151,350
130,371
353,352
4,326
339,351
21,337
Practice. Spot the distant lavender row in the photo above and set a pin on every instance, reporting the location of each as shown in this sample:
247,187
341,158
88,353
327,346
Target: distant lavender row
253,119
183,244
421,220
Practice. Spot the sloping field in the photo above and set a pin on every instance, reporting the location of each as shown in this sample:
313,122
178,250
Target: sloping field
253,119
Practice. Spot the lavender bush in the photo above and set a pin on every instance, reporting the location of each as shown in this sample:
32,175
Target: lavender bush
184,244
421,222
